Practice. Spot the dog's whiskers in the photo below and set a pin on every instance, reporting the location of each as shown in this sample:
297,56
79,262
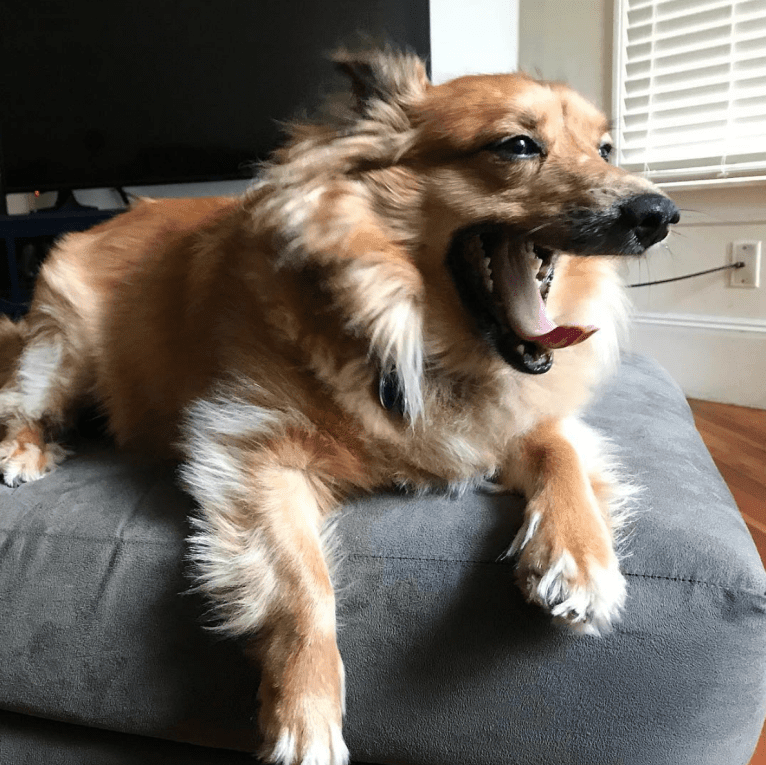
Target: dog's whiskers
542,226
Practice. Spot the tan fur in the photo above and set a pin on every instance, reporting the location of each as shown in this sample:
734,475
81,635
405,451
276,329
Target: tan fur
250,334
12,339
561,492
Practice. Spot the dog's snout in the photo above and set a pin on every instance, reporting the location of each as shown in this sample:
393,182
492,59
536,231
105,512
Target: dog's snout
649,215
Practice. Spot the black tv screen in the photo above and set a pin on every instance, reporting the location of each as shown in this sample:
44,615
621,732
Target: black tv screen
128,92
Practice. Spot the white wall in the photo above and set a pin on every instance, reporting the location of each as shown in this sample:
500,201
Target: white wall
473,37
711,219
570,41
711,337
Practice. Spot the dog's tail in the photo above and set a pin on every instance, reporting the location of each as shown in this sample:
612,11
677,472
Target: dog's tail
12,340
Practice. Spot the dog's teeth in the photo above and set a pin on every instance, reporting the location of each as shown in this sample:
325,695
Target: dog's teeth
487,274
475,246
520,349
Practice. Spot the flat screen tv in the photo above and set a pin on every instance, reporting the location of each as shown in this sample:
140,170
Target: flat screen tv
132,92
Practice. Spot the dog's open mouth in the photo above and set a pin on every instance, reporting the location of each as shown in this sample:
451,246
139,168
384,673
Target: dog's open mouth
503,280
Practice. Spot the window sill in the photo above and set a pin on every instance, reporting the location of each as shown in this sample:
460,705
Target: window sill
712,183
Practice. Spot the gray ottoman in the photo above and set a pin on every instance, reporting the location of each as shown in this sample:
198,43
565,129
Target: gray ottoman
102,659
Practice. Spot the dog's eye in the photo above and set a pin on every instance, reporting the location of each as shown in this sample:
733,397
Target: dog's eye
518,146
605,150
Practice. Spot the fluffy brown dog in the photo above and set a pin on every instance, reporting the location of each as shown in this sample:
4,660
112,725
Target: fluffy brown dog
406,296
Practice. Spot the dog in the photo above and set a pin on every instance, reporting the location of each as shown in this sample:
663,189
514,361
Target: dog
414,292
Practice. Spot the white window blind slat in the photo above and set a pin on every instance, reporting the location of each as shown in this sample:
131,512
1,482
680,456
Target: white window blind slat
754,64
642,56
679,44
682,81
690,99
749,132
666,145
753,21
679,7
691,59
694,17
665,34
692,112
664,9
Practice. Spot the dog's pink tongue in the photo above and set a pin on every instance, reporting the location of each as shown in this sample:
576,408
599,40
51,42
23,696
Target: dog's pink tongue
514,278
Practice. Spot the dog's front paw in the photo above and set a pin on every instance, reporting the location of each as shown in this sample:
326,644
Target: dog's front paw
26,457
302,708
577,580
308,739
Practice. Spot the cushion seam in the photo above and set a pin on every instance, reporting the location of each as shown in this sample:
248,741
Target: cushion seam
80,538
502,563
728,588
163,543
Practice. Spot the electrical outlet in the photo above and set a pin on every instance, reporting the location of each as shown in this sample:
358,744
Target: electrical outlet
748,253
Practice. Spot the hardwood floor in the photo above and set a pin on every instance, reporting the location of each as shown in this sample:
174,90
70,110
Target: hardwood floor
736,438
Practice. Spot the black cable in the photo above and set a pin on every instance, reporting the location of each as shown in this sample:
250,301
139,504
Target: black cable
738,264
124,195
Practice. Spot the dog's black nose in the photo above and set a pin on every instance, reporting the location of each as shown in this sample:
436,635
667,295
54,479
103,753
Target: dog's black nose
649,215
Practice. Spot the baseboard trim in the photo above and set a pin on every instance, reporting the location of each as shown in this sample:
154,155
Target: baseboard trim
696,321
714,358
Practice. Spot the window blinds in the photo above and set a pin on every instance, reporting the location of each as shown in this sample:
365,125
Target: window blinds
690,97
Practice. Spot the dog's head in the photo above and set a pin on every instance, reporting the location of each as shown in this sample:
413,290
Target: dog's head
513,171
478,184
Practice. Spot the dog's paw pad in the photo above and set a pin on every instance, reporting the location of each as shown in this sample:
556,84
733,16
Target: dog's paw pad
289,749
24,461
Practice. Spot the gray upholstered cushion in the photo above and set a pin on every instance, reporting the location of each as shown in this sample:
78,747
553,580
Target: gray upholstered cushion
445,662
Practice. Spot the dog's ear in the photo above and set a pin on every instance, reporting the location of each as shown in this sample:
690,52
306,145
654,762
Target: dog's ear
362,79
384,74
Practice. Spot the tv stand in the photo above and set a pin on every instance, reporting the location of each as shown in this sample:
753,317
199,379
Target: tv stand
67,202
36,230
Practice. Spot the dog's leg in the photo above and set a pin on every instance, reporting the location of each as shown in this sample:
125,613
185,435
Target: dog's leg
12,339
47,377
566,560
302,682
261,551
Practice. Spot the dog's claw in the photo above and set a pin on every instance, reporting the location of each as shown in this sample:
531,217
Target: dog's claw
285,751
575,589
